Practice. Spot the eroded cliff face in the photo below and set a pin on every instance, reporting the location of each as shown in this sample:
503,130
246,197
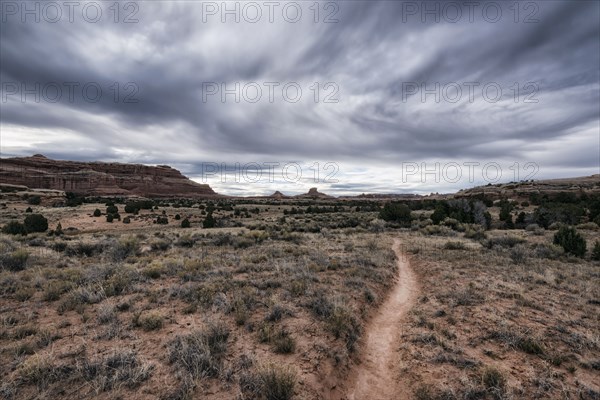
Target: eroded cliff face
100,179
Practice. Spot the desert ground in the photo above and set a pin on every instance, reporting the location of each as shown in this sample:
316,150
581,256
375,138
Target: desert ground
290,299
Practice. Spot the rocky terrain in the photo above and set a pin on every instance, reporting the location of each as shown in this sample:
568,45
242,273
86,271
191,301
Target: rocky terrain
99,178
588,184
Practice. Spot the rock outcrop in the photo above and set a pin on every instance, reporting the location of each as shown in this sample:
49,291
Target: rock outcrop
585,184
100,178
278,195
313,193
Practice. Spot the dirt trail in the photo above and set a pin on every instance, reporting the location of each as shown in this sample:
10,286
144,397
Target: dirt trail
374,378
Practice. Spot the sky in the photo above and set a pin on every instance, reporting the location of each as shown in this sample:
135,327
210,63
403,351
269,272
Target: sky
350,97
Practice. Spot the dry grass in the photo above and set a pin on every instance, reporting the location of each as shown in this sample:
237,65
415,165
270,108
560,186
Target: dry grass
295,294
511,318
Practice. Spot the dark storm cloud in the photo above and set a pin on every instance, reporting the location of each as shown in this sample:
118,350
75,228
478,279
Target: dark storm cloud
371,53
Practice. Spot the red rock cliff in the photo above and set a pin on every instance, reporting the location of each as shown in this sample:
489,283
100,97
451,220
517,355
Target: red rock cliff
99,178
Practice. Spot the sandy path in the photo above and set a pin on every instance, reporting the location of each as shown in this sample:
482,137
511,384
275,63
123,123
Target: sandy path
374,377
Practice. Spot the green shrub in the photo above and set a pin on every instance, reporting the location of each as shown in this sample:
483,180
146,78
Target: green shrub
151,321
126,220
15,261
177,217
162,220
124,248
570,240
59,230
596,251
185,223
209,221
29,210
97,213
34,200
109,218
396,212
504,241
35,223
454,245
112,210
131,208
14,228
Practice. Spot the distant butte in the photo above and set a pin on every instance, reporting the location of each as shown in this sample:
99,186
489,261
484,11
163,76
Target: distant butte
100,178
313,193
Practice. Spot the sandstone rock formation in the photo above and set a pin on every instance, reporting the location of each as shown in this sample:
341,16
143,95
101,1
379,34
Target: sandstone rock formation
278,195
313,193
99,178
585,184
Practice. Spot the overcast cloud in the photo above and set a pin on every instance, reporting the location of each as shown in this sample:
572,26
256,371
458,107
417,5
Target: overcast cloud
369,58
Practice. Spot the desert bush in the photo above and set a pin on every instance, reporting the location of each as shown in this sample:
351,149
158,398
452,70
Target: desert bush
28,210
59,230
126,220
521,341
549,251
14,228
209,221
396,212
160,244
14,261
276,313
34,200
35,223
201,352
39,370
123,248
87,249
112,209
504,241
106,313
269,382
494,381
454,246
154,270
438,230
590,226
596,251
475,232
186,241
320,305
150,321
109,218
283,342
344,325
81,296
97,213
185,223
123,368
162,220
571,241
518,254
55,289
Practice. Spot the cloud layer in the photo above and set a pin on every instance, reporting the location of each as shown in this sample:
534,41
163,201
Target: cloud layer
385,86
